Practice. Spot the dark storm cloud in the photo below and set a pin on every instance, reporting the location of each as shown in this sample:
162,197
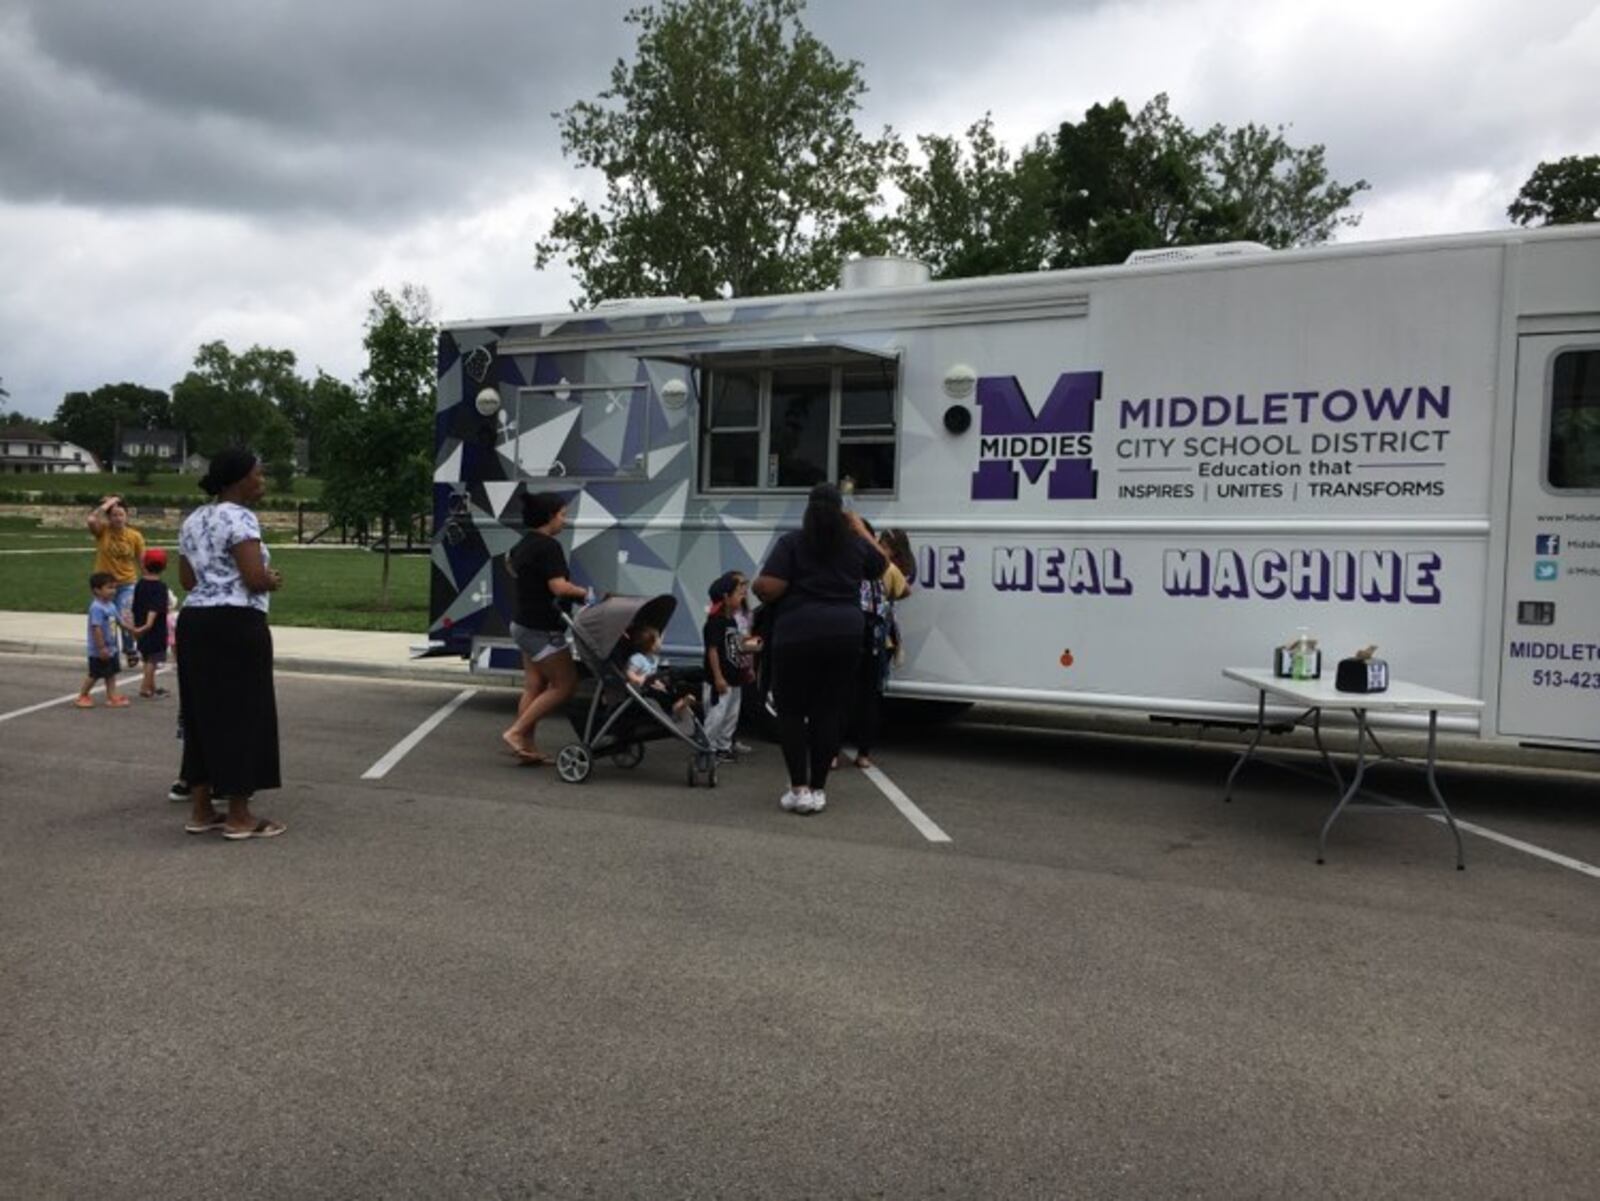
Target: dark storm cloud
365,107
348,105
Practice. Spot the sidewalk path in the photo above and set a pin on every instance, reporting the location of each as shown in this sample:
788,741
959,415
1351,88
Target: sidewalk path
296,648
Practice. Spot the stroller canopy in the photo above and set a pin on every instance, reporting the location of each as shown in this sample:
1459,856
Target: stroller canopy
601,626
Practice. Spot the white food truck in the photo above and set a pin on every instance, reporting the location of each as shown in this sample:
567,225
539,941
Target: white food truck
1117,481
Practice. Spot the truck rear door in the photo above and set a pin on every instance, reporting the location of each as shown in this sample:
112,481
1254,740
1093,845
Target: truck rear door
1550,644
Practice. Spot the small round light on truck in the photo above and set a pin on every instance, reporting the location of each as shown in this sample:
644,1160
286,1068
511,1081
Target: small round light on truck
959,381
674,394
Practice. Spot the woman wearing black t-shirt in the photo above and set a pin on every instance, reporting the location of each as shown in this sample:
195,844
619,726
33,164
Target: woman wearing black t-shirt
816,571
540,567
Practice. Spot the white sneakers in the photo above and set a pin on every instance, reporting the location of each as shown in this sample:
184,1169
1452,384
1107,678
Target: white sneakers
803,802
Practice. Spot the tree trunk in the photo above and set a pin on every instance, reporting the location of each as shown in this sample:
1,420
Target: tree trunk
383,592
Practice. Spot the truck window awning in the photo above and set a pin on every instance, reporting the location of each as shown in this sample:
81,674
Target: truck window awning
799,350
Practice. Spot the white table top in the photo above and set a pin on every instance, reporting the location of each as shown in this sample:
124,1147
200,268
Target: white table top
1322,694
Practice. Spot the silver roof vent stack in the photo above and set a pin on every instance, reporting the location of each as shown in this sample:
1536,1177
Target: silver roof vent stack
882,271
1191,254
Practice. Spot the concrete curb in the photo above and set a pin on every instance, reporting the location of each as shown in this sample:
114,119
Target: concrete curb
452,676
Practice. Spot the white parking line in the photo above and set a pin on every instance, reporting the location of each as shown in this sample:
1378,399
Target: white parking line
60,700
403,748
900,800
1527,848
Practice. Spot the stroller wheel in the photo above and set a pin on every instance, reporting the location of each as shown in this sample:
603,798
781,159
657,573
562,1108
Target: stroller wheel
690,772
629,756
573,763
711,775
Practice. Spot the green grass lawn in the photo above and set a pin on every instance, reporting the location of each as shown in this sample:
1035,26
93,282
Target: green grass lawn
333,589
25,533
162,484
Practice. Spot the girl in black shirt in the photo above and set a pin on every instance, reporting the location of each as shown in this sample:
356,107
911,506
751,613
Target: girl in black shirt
549,674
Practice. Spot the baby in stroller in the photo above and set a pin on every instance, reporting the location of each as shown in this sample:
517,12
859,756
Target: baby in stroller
631,697
645,671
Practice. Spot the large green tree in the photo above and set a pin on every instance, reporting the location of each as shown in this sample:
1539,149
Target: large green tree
93,420
1565,192
972,209
240,400
1125,181
328,401
379,461
732,160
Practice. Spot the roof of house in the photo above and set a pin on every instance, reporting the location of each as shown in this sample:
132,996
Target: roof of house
24,433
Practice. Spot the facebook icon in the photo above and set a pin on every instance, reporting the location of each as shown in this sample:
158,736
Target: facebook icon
1547,544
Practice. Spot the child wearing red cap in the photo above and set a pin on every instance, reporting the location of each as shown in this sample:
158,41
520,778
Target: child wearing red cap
150,602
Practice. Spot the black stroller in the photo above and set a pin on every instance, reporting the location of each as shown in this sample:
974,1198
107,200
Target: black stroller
619,718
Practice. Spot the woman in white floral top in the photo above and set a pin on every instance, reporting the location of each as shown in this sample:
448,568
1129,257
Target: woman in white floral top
225,692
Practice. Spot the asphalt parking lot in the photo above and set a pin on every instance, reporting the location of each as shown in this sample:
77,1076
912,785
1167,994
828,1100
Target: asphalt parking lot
468,979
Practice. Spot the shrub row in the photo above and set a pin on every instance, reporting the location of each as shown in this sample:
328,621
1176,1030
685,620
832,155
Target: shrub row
22,496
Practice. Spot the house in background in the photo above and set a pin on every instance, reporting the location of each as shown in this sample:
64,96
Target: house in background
195,463
26,451
166,447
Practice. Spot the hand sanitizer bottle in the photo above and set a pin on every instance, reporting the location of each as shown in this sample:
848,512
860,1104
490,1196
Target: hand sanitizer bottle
1300,664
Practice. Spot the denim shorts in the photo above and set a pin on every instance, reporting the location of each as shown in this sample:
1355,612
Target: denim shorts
539,644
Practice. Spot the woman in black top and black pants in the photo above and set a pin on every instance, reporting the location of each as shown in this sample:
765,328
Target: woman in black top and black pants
816,571
540,567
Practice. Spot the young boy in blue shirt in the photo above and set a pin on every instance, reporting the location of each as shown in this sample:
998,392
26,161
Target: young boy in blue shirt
104,663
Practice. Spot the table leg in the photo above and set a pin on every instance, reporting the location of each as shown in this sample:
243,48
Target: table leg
1355,784
1261,728
1433,786
1316,732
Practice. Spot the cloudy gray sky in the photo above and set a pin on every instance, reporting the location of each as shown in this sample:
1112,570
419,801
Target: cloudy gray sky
176,171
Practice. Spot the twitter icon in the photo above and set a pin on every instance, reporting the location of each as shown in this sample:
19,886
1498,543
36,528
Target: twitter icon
1546,569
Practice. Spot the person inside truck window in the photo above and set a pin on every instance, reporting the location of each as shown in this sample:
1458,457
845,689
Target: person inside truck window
549,676
817,571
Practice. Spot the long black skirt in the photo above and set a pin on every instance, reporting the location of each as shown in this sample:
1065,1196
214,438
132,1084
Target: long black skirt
229,709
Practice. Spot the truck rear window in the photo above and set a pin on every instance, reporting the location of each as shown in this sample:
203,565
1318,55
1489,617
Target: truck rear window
1574,446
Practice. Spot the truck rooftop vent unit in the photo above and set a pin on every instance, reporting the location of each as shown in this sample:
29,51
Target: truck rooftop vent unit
645,302
882,271
1189,254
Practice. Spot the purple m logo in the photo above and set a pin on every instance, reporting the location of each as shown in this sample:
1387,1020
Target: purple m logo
1011,436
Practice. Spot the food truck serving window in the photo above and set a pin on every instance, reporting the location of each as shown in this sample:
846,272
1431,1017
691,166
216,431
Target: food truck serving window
785,426
1574,438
